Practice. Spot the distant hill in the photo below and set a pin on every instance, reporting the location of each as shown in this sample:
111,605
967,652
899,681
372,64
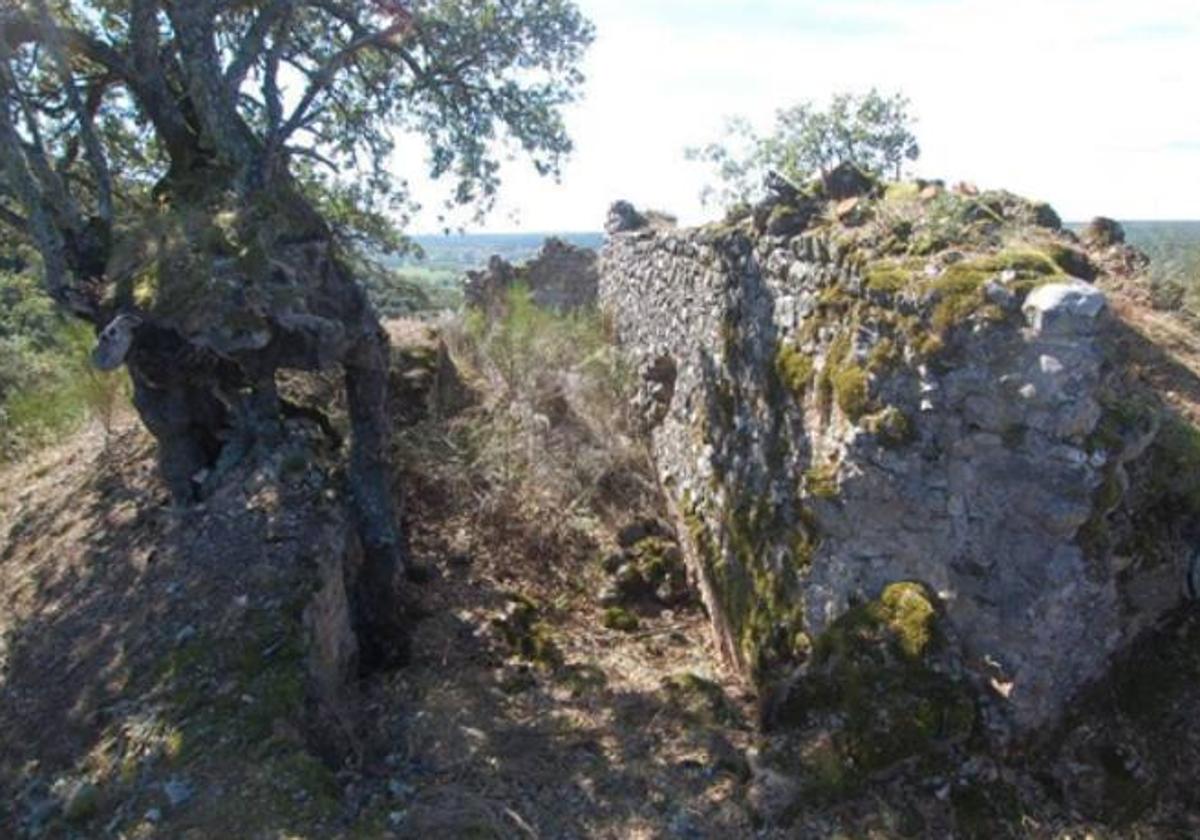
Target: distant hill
464,251
1174,248
1174,251
434,282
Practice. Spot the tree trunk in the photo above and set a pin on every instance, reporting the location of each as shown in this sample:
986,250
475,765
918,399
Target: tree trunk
232,306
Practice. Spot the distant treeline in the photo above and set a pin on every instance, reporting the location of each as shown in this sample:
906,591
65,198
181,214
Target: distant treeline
473,250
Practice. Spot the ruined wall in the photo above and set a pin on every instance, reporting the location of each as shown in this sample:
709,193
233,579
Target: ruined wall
561,276
824,429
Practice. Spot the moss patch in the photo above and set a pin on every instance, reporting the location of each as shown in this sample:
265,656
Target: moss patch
821,480
794,368
887,277
851,390
621,619
960,286
875,673
891,426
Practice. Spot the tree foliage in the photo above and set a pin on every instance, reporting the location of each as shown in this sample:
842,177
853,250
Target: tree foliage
202,179
872,130
102,99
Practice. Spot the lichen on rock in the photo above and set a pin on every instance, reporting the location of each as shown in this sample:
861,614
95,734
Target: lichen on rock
907,394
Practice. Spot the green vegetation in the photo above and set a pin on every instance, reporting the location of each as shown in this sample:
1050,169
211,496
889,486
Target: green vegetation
48,385
1174,251
621,619
876,669
888,277
871,130
821,480
960,286
548,372
851,390
890,425
794,368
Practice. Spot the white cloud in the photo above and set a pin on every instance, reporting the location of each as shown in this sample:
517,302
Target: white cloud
1090,104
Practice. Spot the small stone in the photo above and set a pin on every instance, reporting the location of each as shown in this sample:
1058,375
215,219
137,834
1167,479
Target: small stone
1064,309
82,802
185,635
996,293
178,792
399,789
613,561
153,815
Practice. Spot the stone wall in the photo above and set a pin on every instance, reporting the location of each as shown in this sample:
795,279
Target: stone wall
561,277
823,433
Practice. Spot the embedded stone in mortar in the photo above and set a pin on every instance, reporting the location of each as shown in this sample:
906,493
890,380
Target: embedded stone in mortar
1069,308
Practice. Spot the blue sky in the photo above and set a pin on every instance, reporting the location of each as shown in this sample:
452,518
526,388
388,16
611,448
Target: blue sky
1093,105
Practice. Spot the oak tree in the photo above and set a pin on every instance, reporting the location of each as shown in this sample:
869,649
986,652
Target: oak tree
198,176
872,131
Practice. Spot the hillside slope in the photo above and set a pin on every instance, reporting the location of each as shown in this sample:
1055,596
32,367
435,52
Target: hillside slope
152,681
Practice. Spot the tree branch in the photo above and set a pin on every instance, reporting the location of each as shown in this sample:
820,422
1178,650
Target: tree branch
254,42
39,225
93,150
224,129
325,75
14,221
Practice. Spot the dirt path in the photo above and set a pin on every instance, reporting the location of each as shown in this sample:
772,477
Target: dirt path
130,659
591,733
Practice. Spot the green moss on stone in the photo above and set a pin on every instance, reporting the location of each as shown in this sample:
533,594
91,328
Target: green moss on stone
887,277
960,293
891,426
906,610
874,672
794,369
883,356
821,480
851,390
621,619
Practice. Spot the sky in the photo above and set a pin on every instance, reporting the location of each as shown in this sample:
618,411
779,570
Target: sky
1092,105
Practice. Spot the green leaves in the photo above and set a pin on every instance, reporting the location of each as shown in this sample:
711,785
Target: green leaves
872,130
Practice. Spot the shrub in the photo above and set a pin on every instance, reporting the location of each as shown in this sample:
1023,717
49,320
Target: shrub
557,431
48,385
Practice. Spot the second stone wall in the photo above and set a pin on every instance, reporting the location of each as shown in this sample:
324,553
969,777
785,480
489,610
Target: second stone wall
817,446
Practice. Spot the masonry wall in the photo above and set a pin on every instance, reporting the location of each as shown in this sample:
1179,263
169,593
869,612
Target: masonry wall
820,440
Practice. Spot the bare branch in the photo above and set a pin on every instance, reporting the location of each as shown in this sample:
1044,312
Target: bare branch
14,221
40,226
54,193
255,41
392,37
93,149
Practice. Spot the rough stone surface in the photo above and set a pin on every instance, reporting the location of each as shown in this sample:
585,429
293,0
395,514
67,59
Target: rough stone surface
561,277
794,503
847,181
1066,309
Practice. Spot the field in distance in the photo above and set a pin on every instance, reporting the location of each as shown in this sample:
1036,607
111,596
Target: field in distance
434,281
